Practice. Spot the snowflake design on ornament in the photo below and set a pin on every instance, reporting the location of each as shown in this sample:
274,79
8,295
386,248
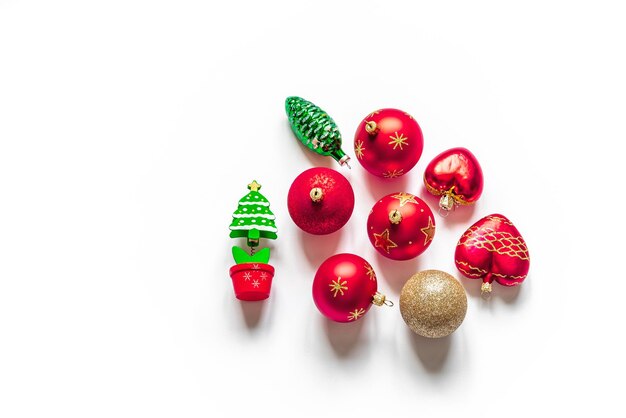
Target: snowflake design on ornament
370,272
256,283
375,112
255,266
393,174
247,276
358,149
356,314
398,141
337,286
264,276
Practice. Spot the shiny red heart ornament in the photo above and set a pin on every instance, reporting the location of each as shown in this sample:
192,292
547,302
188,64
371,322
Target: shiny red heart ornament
493,249
456,176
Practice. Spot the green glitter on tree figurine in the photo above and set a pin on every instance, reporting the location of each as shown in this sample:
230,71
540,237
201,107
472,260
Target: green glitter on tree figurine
315,129
253,220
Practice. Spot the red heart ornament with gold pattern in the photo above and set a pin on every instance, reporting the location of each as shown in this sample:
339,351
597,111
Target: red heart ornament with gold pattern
401,226
456,176
345,288
493,249
388,143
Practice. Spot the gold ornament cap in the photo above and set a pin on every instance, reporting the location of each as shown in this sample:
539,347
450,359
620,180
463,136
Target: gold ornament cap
317,194
485,290
379,300
371,127
433,303
395,217
447,202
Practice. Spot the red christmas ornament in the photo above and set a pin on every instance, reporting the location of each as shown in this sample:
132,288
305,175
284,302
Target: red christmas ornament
320,201
401,226
388,143
345,288
456,176
493,249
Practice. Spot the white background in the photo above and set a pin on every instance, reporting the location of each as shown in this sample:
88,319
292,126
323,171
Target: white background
130,129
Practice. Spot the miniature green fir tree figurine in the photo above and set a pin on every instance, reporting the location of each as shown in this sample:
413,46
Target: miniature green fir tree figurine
252,220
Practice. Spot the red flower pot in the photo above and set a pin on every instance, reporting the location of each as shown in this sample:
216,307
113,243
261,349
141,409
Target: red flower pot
252,281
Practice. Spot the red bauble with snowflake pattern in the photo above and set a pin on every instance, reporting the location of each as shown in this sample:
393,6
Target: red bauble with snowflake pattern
345,288
388,143
401,226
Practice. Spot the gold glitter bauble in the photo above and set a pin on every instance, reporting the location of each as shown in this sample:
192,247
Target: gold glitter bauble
433,303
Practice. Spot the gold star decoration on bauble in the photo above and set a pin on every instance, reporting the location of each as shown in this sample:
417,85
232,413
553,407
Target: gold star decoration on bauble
370,272
356,314
337,286
383,241
429,231
398,141
392,174
358,149
405,198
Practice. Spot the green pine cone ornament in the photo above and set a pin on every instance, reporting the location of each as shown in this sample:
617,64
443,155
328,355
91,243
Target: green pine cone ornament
253,218
315,129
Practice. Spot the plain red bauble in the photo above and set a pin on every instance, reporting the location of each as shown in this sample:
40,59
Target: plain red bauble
388,143
401,226
344,287
320,201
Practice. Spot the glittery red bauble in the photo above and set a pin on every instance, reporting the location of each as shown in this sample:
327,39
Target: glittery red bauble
456,176
493,249
401,226
344,287
320,201
388,143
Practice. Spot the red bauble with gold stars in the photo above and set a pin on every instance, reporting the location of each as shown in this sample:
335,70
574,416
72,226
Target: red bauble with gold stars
345,288
401,226
320,201
388,143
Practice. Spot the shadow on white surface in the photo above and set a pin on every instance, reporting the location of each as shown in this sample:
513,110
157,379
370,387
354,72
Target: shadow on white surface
396,273
318,248
252,312
379,187
343,337
432,352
